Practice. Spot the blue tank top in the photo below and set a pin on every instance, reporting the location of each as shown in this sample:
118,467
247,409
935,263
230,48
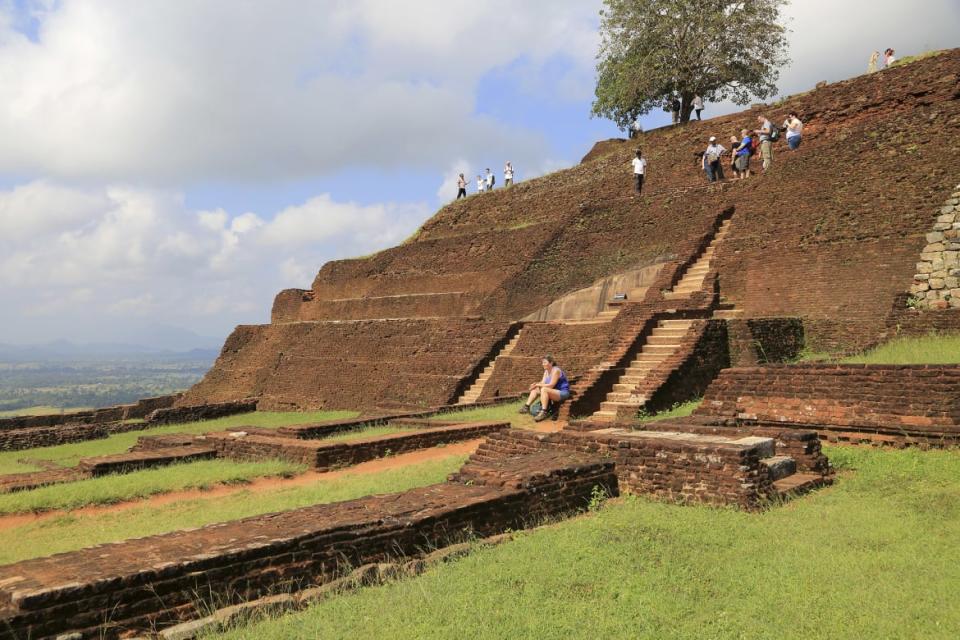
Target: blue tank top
562,384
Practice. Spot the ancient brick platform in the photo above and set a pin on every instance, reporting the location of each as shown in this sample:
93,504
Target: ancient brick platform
684,467
868,404
150,582
324,456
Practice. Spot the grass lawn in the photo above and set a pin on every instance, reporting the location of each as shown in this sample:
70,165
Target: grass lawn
507,412
875,556
681,410
76,531
40,411
932,349
139,484
68,455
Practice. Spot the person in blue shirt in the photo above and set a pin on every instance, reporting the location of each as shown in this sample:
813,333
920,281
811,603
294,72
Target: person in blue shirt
553,387
742,153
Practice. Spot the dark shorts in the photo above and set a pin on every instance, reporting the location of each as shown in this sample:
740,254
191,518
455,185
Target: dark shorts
743,162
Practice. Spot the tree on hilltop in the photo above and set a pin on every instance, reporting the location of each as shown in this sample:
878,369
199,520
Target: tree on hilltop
651,50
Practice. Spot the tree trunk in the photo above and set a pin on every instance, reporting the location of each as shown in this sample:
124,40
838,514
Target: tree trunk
686,108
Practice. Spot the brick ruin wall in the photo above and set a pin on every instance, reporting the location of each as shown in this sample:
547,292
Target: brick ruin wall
348,365
831,242
138,410
684,471
155,581
764,340
880,404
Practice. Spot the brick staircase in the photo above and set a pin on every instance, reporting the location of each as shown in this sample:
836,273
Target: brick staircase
693,277
662,343
470,395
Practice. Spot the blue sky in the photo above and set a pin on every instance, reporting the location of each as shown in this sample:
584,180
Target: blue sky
178,163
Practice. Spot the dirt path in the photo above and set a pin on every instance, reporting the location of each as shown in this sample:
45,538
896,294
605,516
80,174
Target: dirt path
257,485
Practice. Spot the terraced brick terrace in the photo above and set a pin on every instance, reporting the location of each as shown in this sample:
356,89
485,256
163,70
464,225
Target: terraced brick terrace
466,310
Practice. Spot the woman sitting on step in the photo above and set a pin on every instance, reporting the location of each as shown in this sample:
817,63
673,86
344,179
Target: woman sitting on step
554,386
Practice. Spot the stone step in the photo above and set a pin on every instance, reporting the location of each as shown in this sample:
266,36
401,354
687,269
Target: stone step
634,404
728,314
676,324
621,396
651,357
799,483
604,416
664,331
653,349
676,295
662,341
624,387
780,466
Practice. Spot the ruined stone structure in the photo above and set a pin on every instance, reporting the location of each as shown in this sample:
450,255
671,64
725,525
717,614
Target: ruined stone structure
815,254
937,281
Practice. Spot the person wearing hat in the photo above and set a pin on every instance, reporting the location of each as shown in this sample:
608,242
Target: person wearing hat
711,160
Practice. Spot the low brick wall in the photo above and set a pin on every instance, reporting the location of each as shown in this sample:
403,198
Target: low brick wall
764,340
199,412
19,439
672,467
136,460
152,582
137,410
320,455
885,404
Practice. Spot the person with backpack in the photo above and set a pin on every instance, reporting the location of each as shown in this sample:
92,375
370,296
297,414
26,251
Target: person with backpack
711,160
461,187
639,170
553,387
491,180
743,153
768,134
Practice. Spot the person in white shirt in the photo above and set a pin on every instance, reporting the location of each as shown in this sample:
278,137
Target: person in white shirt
888,58
461,187
508,175
698,105
639,170
711,160
794,130
481,184
636,129
490,180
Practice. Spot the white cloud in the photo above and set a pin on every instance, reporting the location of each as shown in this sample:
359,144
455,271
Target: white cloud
143,254
173,92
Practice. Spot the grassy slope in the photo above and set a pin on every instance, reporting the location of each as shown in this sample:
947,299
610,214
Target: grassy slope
69,454
118,488
932,349
681,410
872,557
75,531
506,412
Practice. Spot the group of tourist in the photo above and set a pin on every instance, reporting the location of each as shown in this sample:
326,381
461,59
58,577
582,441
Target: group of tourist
742,149
877,63
485,183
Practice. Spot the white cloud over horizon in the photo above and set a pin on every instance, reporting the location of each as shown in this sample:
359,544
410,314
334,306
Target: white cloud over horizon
113,114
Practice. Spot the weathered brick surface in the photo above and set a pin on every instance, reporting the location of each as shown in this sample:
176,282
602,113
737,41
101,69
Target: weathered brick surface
30,437
195,413
673,467
908,404
139,409
320,455
159,579
764,340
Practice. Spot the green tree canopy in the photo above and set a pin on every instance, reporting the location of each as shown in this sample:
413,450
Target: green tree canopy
652,50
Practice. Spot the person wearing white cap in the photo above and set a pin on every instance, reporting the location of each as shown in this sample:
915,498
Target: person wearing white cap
711,160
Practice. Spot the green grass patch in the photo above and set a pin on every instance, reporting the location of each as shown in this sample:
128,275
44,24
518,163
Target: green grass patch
363,434
140,484
679,410
872,557
76,531
41,411
504,412
69,455
931,349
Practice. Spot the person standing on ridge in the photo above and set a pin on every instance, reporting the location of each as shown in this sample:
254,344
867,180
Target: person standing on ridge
874,59
742,151
635,129
508,175
461,187
711,160
491,180
888,58
481,184
639,170
766,141
697,106
675,108
794,130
